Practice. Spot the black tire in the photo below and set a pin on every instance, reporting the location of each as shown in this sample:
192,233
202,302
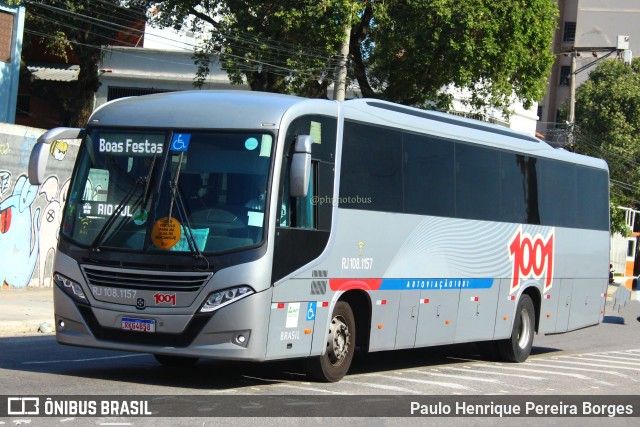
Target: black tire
518,347
176,361
333,365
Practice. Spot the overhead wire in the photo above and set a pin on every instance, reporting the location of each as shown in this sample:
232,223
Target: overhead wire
263,52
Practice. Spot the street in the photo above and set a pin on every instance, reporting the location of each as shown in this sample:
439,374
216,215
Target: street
601,360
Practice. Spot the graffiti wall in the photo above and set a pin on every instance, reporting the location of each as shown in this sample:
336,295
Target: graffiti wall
30,215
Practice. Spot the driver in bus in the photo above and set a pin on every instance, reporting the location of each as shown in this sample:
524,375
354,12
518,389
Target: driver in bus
258,201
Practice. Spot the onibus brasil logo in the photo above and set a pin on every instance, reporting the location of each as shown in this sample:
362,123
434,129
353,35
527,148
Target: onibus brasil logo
531,257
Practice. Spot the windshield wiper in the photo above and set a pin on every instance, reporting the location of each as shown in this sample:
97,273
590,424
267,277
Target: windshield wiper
95,246
184,217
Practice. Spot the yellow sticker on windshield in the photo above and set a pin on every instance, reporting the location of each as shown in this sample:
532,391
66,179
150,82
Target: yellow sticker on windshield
166,233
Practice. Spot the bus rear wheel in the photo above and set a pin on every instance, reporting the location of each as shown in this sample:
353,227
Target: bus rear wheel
518,347
176,361
333,365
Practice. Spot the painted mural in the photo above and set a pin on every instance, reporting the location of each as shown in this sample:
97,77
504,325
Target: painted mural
30,215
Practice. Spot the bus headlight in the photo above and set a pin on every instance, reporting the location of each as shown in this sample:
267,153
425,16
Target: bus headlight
225,297
71,288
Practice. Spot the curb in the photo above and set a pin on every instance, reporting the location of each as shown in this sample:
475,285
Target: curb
9,328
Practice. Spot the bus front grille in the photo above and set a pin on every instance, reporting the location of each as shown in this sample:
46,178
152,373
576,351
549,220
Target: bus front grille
144,279
180,340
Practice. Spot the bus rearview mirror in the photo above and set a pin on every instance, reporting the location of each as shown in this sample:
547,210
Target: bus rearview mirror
40,151
300,172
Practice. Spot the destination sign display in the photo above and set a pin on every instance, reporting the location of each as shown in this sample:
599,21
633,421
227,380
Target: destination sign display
130,144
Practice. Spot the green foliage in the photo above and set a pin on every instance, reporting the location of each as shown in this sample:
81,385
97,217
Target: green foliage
284,46
618,220
404,51
608,126
494,48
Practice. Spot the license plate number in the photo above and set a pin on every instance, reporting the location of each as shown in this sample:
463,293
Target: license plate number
138,325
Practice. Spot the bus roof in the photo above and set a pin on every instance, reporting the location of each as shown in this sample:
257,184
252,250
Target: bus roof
460,128
197,109
239,109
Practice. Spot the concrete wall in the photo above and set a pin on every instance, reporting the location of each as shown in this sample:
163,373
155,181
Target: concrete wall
30,214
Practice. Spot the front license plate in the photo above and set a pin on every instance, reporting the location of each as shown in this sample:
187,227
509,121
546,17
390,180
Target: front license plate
139,325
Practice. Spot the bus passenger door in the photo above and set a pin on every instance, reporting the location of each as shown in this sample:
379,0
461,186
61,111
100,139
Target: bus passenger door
437,317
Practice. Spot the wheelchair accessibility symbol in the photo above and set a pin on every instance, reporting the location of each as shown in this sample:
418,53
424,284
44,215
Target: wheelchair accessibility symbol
311,311
180,142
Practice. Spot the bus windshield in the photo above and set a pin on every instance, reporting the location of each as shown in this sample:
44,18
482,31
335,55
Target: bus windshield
162,191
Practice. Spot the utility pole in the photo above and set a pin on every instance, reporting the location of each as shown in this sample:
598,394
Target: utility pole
340,84
572,86
621,48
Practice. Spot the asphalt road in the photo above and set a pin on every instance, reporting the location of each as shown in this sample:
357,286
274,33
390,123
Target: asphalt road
602,360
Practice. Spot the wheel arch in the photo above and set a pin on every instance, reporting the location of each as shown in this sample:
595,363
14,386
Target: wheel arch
360,303
534,293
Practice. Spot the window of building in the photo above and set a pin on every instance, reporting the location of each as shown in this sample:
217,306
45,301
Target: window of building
23,106
631,248
569,34
565,75
116,92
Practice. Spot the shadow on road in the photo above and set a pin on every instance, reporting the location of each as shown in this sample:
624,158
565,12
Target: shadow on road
44,355
616,320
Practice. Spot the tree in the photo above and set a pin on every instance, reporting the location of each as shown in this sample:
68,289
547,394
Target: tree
404,51
80,29
283,46
608,126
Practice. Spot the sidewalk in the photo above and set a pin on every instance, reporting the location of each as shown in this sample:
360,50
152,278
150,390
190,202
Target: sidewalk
23,311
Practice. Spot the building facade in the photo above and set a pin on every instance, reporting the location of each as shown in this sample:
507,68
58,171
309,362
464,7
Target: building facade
592,28
11,28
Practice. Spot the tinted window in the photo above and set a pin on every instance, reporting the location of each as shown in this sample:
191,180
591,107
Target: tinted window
557,191
429,186
518,189
477,182
592,203
371,176
385,169
513,197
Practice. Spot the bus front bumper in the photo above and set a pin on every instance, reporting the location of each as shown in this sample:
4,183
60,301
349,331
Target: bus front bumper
237,331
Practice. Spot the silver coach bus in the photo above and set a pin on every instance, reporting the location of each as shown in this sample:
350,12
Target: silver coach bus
252,226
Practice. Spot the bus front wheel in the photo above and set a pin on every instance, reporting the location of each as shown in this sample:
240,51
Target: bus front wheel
518,347
341,340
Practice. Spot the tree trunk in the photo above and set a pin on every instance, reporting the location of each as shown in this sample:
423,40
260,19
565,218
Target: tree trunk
81,102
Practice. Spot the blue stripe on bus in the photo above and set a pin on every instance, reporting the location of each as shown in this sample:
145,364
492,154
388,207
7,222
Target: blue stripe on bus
434,284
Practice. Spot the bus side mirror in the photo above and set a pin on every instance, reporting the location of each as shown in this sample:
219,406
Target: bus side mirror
300,172
40,151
